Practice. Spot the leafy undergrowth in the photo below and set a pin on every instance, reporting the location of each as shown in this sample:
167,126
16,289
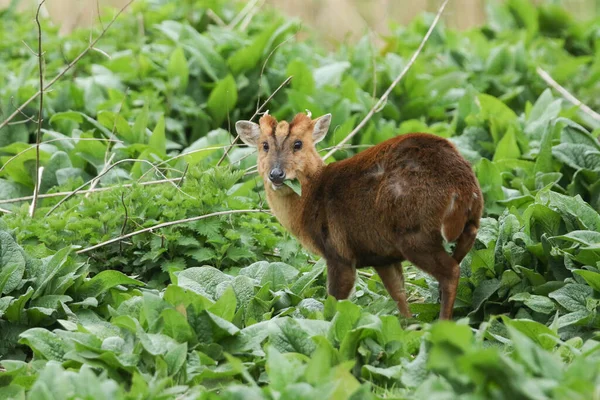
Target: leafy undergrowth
230,306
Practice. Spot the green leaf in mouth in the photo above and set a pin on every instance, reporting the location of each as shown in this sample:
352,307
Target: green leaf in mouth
294,185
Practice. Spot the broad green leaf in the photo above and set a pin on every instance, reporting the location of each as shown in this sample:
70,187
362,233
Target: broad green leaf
302,80
289,336
141,124
294,185
225,306
52,266
573,297
537,303
283,369
104,281
12,263
508,147
44,343
222,99
178,69
592,278
158,141
540,334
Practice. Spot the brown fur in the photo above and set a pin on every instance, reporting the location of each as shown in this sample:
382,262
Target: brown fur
395,201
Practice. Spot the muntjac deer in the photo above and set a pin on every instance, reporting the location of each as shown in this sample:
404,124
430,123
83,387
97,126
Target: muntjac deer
396,201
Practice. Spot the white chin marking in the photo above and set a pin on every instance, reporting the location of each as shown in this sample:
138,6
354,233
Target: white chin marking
275,187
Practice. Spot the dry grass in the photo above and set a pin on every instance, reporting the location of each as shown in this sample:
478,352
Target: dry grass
334,20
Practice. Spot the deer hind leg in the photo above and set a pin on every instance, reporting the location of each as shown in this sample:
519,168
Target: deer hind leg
433,259
393,280
340,280
465,242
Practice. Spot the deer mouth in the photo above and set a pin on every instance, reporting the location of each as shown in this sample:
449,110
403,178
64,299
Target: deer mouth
276,186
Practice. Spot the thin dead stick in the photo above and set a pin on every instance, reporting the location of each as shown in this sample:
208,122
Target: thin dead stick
212,15
5,211
166,224
102,189
106,165
36,190
251,15
38,136
33,146
101,174
228,149
67,69
383,98
242,14
183,155
566,94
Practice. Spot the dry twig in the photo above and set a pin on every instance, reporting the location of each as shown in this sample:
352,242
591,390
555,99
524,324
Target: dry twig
33,146
102,189
104,172
67,69
166,224
385,95
38,138
566,94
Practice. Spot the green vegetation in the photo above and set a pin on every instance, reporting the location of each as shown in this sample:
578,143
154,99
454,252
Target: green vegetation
231,306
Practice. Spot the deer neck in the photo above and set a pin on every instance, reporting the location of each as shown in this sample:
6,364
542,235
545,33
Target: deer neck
288,207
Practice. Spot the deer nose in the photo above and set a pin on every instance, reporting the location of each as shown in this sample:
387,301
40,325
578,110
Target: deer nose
277,175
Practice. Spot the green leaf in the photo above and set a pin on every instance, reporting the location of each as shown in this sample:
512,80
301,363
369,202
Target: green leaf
178,69
52,266
140,125
104,281
202,280
541,304
158,140
573,297
289,336
175,358
507,147
540,334
592,278
44,343
302,80
294,185
226,304
222,99
12,263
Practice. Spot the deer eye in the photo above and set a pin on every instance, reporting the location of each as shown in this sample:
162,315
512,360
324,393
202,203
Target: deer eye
297,145
265,146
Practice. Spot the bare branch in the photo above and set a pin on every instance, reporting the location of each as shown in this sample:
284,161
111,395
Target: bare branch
566,94
33,146
249,6
101,174
183,155
67,69
5,211
38,137
251,15
125,219
166,224
228,149
212,15
102,189
36,191
385,95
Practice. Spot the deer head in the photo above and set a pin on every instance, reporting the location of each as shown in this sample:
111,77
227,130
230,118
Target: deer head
285,150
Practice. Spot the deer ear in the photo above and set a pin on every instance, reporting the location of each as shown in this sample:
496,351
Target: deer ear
249,132
321,127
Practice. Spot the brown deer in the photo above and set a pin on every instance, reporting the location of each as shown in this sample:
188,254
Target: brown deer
396,201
